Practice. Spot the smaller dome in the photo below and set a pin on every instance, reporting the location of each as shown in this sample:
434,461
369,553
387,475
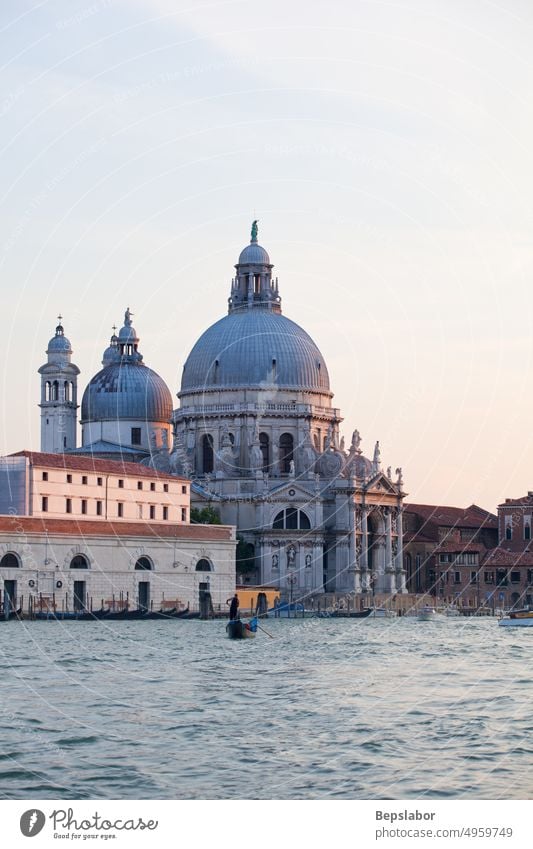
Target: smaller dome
128,334
254,254
59,344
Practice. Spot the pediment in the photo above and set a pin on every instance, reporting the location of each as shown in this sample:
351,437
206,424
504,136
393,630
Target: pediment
380,483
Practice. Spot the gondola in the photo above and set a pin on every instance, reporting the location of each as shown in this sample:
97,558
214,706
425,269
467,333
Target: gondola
352,614
236,629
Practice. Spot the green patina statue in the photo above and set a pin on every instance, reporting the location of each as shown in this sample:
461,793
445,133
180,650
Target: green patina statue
254,231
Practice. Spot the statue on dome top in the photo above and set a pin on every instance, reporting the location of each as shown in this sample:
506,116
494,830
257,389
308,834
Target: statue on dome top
254,231
127,318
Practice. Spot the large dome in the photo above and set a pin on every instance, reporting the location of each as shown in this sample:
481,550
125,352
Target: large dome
126,390
255,348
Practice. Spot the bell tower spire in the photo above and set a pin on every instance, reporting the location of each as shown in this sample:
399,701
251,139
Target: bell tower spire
59,391
253,286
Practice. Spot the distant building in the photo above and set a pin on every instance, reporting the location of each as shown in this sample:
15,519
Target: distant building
445,549
510,566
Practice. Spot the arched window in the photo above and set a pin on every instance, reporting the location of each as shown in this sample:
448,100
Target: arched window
291,519
203,565
79,562
66,389
508,532
264,444
286,452
48,391
207,453
9,561
527,531
55,390
144,563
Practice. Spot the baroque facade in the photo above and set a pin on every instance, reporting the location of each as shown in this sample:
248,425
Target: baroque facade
257,433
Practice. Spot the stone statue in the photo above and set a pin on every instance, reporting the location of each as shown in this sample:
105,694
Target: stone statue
341,446
291,556
307,453
399,481
377,459
254,231
127,318
389,472
256,455
308,560
226,455
292,469
356,441
275,561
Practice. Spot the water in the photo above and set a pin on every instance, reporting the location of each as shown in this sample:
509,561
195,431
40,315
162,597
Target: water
325,710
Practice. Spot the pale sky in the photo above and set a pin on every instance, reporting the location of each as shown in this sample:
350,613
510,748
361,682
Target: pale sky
385,149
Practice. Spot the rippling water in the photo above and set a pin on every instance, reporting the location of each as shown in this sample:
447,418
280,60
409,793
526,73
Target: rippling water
327,709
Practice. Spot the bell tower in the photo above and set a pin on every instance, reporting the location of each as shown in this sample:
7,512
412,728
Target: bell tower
59,395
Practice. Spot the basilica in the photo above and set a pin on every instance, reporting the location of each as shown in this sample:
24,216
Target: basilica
257,434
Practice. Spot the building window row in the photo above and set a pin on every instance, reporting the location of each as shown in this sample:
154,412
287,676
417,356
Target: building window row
100,482
468,558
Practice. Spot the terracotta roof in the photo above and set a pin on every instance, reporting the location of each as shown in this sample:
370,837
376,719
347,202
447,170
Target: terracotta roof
91,464
504,557
525,501
459,517
91,528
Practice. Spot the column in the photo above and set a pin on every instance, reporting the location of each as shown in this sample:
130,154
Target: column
364,550
390,582
400,571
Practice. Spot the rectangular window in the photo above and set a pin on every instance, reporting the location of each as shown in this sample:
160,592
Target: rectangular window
165,513
135,436
84,480
99,505
44,504
183,514
68,505
120,509
120,483
489,577
139,484
84,506
527,531
152,511
139,511
515,577
69,478
152,487
165,487
100,481
473,577
457,577
45,476
184,490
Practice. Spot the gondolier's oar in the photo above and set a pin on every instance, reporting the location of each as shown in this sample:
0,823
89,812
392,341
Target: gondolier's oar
265,631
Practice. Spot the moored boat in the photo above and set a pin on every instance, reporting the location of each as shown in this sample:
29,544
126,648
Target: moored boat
518,619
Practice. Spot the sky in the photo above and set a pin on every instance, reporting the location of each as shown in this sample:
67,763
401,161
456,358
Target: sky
385,149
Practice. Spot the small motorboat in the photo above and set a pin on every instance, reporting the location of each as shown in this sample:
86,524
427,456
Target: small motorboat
236,629
382,613
426,614
518,619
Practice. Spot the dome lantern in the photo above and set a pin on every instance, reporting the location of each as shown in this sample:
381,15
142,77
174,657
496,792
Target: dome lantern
253,286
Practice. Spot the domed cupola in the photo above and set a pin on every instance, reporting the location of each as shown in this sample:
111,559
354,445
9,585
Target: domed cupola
59,347
111,354
255,347
253,286
126,404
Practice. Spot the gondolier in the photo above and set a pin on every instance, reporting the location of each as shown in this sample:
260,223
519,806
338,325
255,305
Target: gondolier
233,607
